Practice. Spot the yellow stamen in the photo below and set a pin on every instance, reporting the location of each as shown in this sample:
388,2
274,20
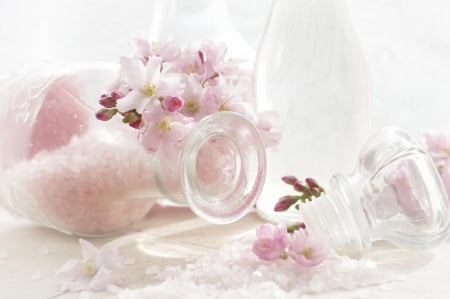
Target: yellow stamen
224,107
307,252
89,267
149,89
164,125
191,105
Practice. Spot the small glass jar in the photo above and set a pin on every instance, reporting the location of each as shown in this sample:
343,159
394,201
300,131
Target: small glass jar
63,168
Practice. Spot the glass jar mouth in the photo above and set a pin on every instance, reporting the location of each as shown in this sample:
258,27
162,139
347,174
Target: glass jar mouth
223,167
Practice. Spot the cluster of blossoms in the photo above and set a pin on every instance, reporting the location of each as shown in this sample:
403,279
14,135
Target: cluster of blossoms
163,90
275,242
308,190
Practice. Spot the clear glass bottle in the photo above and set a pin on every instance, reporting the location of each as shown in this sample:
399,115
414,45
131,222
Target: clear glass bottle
310,69
395,195
63,168
198,21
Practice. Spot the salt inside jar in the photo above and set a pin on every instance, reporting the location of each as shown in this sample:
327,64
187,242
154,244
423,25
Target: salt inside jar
63,168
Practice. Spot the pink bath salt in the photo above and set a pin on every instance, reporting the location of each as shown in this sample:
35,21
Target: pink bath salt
89,187
61,116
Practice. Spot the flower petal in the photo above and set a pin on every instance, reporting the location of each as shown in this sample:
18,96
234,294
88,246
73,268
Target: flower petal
109,256
88,250
131,101
102,279
132,72
153,70
72,269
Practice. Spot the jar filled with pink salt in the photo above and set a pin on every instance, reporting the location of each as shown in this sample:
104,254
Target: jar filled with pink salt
63,168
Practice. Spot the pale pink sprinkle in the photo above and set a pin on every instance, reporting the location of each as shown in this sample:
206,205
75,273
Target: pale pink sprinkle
309,250
271,241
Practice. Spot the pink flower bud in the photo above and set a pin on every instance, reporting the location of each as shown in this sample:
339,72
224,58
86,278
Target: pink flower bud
285,202
116,95
173,104
105,114
107,102
300,186
312,183
289,179
136,124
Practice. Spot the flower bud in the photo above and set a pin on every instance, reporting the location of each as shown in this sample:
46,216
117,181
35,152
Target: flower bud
300,186
173,104
107,102
285,202
105,114
115,95
289,179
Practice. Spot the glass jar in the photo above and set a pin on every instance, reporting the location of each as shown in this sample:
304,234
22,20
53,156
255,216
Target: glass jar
310,69
63,168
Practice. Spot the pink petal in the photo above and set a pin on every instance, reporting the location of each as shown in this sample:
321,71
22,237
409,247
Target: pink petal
109,256
133,100
72,270
153,70
132,72
102,279
141,47
169,51
88,250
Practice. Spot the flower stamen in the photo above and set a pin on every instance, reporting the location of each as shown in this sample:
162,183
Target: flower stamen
89,267
149,89
164,125
191,105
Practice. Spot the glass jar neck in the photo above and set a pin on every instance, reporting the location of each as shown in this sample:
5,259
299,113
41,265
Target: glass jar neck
341,212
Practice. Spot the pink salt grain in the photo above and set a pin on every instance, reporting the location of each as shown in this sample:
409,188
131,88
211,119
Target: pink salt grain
93,185
235,272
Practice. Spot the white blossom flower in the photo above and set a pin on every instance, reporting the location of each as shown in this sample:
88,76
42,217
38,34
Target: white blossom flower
95,271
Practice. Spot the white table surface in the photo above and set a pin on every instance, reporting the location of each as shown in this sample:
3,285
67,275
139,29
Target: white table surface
170,236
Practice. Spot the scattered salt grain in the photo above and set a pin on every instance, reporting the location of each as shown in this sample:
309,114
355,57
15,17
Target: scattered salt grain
152,270
3,255
85,295
43,250
401,277
235,272
129,261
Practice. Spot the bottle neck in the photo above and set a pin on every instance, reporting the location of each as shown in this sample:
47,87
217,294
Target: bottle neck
341,213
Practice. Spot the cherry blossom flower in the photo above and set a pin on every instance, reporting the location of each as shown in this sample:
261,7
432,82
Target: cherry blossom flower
271,241
95,271
146,83
163,130
309,250
268,125
143,49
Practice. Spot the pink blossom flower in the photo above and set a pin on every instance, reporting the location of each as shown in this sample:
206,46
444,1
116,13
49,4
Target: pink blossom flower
143,49
163,131
146,83
271,241
95,271
268,125
309,250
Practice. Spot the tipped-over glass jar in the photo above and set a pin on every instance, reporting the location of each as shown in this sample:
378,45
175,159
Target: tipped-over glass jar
396,196
63,168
